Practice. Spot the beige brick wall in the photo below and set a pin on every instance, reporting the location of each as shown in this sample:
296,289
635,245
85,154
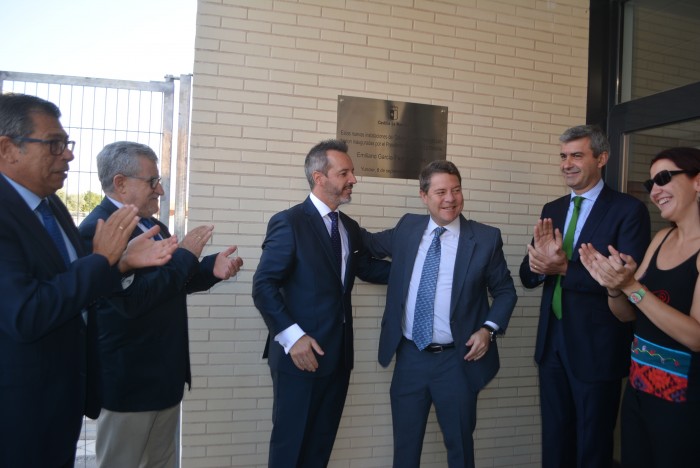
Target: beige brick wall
266,80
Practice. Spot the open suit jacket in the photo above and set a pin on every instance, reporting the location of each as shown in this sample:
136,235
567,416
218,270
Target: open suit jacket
43,337
298,281
480,268
597,343
143,338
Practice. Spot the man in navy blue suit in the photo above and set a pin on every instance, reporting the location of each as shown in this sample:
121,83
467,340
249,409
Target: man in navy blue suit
302,288
143,337
459,355
48,280
582,350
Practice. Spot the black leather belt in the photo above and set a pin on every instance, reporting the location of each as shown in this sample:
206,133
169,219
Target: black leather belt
438,348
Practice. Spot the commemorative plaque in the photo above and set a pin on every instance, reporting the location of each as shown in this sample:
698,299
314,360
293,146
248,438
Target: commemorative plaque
391,138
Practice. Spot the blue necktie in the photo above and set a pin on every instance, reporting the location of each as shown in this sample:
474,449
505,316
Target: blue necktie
335,239
425,298
149,224
52,228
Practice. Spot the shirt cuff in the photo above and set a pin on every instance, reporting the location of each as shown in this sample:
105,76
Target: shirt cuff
492,325
127,280
289,336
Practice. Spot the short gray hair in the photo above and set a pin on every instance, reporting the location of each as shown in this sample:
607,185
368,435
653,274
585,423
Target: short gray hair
121,157
317,159
599,142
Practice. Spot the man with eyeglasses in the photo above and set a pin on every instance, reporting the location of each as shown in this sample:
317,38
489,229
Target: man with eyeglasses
143,340
582,350
48,281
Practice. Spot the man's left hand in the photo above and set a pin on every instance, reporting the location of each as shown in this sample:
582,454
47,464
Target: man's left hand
225,267
479,343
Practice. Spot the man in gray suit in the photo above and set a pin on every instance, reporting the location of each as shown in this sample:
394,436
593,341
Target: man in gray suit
438,320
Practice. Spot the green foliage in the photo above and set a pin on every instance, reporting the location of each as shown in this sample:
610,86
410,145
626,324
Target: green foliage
80,203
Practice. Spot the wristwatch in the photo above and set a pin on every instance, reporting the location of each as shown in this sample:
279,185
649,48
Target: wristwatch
492,332
637,296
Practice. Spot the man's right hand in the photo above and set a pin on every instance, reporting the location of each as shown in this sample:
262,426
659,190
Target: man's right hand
112,236
302,353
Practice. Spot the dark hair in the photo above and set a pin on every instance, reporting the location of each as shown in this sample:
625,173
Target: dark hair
16,110
686,158
440,166
317,159
599,142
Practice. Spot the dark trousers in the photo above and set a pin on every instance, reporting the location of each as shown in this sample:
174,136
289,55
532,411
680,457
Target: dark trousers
421,379
305,417
578,418
657,433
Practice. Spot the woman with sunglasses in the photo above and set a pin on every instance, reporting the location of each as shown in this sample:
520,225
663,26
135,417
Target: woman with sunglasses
661,404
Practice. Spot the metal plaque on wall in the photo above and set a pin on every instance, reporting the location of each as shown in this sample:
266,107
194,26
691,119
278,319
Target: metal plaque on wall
391,138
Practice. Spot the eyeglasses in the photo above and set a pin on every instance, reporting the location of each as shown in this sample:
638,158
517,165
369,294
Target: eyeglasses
662,178
56,147
152,181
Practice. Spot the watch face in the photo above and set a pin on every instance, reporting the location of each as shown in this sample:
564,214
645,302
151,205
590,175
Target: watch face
636,297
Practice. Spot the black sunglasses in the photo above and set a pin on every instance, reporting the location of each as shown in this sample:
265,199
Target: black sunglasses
662,178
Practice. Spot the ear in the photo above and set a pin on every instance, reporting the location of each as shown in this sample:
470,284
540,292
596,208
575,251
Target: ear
119,182
317,176
603,159
424,197
8,150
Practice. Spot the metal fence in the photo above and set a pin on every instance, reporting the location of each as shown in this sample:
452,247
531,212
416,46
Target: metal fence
96,112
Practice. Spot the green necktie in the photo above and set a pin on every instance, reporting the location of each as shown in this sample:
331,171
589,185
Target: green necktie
568,249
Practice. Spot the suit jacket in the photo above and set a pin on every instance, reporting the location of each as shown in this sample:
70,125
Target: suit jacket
597,344
298,281
143,332
43,337
480,269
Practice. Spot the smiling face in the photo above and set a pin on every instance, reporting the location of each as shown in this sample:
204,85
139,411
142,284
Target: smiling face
580,168
444,198
676,200
335,187
31,164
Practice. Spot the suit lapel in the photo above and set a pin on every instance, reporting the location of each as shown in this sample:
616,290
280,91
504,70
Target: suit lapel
600,208
561,208
16,205
67,224
465,251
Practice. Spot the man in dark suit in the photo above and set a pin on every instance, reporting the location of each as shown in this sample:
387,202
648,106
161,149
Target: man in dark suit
302,287
582,350
48,280
143,338
447,360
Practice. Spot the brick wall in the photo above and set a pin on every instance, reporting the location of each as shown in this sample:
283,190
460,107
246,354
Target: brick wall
266,80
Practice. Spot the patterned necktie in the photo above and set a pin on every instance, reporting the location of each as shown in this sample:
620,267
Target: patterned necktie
425,298
568,249
52,228
335,239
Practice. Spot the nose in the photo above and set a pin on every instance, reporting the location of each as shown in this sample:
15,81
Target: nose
159,189
67,155
352,179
